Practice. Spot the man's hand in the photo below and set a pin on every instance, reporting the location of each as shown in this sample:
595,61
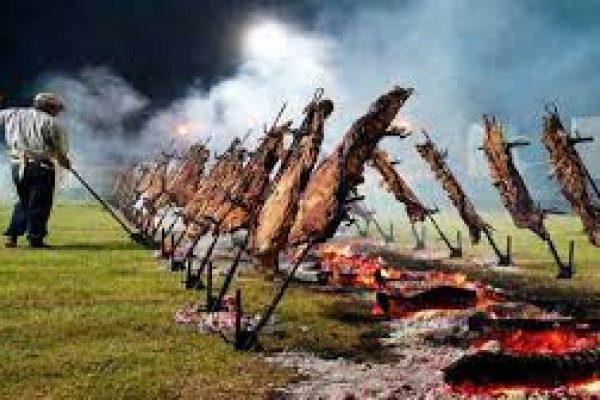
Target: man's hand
63,161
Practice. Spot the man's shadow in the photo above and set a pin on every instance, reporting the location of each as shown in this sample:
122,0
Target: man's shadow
116,245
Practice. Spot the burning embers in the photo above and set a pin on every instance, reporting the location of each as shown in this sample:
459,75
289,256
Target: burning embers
512,347
402,293
553,342
529,355
355,270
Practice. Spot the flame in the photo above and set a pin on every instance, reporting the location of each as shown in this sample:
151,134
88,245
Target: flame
591,386
550,342
182,129
555,341
574,389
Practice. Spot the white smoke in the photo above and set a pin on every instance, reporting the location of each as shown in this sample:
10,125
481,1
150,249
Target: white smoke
99,104
280,65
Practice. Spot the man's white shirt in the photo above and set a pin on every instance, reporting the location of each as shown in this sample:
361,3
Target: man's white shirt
33,132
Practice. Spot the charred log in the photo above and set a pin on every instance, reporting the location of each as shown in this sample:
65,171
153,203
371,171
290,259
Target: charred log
489,369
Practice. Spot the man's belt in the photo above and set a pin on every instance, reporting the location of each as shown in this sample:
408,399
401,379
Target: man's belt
25,158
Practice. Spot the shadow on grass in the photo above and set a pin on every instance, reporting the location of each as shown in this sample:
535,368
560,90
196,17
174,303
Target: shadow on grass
97,246
349,312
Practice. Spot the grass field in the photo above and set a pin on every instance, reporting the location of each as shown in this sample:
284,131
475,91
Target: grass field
92,319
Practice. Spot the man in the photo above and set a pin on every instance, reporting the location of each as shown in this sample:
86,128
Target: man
35,140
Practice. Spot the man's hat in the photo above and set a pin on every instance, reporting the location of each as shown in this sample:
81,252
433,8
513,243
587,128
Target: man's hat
48,99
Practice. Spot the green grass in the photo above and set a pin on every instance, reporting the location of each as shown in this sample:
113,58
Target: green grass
92,319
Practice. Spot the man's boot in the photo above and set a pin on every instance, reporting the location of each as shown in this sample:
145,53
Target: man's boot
38,244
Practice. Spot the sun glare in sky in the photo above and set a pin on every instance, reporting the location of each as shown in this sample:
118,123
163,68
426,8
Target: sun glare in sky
267,39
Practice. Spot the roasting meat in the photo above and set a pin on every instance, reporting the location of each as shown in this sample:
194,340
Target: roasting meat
509,182
222,175
123,189
453,189
571,175
186,180
398,187
247,197
269,234
324,203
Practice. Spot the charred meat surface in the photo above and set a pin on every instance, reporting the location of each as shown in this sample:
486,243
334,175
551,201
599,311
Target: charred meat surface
396,185
432,156
509,182
248,196
323,205
270,233
570,172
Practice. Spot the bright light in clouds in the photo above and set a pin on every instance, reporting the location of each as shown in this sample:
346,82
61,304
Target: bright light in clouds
182,129
267,40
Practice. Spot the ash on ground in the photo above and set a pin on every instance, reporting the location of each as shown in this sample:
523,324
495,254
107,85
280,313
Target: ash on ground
417,350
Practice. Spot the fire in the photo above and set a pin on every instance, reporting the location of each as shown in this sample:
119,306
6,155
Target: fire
182,129
398,289
557,341
355,270
576,390
592,386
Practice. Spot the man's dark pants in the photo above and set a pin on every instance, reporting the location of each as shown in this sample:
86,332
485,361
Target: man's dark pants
35,190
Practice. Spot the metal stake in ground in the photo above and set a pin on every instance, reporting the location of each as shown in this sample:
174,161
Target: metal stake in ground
253,336
455,252
229,276
503,259
565,271
208,254
419,239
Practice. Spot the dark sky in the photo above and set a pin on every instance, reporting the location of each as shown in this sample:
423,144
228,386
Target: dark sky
160,46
